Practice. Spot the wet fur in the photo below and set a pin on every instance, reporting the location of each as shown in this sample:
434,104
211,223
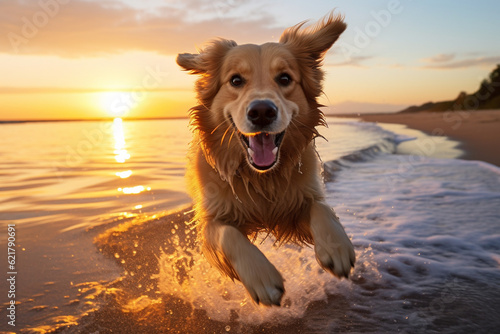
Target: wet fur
232,200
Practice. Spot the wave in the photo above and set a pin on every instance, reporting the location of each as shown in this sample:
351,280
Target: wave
330,168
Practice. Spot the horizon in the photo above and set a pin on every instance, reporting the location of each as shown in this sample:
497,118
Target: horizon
125,118
88,59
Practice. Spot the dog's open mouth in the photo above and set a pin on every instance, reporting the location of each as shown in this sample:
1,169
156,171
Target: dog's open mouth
263,149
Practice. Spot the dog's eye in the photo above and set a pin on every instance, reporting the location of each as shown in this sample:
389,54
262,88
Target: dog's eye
284,79
236,80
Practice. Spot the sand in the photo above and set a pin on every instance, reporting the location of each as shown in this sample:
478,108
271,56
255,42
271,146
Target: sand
478,130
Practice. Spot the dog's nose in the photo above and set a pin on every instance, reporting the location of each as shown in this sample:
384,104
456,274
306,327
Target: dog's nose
262,112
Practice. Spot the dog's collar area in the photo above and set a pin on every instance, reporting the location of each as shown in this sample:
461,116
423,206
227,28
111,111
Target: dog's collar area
262,149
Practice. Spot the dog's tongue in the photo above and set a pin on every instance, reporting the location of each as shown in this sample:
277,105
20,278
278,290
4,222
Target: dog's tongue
262,149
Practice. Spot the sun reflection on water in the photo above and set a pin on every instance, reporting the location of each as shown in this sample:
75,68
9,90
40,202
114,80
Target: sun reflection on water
134,190
122,154
124,174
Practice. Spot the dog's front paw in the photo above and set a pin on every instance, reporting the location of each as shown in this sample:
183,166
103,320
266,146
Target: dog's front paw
335,254
261,279
334,250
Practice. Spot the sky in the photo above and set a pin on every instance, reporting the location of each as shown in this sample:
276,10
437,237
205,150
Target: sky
79,59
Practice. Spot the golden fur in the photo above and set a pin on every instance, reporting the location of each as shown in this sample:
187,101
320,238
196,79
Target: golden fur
234,199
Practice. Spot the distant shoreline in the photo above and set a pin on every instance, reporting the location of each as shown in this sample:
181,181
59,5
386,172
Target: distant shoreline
477,130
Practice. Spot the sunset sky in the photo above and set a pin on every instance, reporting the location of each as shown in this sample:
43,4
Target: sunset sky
74,59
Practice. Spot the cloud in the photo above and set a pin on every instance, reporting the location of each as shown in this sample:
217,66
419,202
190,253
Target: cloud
356,61
440,58
89,28
449,61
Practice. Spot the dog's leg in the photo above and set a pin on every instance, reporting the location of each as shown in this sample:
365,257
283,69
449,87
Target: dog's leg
334,250
261,279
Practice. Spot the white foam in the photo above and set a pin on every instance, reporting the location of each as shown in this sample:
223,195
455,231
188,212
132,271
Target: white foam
429,222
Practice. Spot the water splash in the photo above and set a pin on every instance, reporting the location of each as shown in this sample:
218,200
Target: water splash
186,274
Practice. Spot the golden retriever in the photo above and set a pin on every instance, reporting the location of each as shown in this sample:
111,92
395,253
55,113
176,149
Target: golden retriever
252,165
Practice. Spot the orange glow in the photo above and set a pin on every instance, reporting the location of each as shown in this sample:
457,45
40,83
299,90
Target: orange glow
93,105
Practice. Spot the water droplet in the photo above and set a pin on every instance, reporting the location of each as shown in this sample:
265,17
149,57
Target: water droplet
117,255
228,328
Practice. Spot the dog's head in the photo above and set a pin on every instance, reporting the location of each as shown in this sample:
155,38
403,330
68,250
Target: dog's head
263,94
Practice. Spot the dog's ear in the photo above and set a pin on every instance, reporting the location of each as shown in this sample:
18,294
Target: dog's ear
190,62
208,59
314,41
309,46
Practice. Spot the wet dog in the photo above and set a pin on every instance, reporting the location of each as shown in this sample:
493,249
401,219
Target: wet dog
252,162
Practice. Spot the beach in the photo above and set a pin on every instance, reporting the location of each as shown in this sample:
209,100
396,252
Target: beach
477,130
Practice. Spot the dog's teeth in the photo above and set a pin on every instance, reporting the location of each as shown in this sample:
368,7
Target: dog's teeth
250,152
275,151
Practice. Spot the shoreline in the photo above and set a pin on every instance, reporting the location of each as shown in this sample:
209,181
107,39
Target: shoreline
478,131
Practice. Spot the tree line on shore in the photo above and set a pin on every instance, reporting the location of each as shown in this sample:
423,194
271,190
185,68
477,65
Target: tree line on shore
486,97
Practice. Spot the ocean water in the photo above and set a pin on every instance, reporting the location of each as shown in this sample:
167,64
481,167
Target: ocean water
103,241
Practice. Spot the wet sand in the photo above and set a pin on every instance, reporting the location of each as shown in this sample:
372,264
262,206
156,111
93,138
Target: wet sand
478,130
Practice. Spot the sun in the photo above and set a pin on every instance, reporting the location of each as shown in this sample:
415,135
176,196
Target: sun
116,103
